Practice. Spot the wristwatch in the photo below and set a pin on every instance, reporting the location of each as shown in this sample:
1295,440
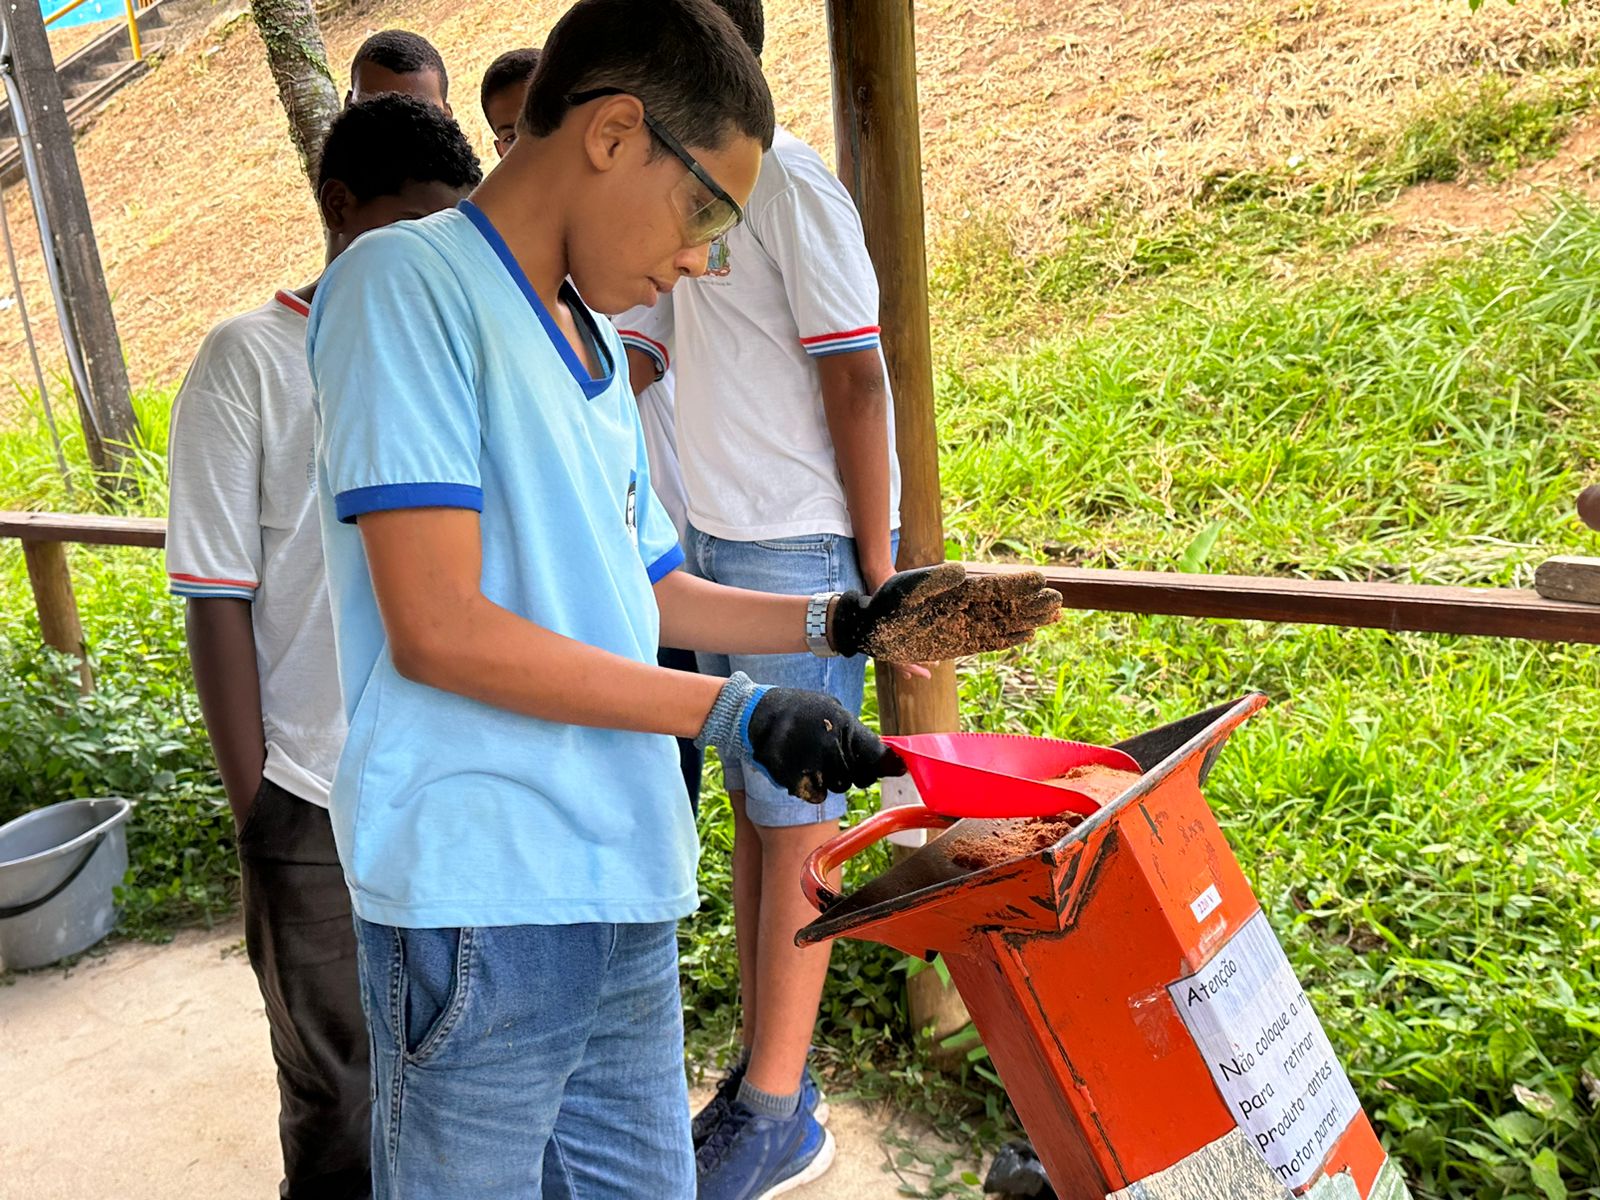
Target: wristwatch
817,625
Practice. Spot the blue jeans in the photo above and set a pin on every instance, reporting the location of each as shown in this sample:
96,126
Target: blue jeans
526,1061
794,566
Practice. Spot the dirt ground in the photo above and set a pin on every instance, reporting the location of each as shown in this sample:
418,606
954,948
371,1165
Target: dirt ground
144,1074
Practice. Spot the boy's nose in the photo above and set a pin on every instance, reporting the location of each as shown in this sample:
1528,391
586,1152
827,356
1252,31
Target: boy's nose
693,261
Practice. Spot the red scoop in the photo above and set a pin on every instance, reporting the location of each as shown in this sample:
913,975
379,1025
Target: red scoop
999,774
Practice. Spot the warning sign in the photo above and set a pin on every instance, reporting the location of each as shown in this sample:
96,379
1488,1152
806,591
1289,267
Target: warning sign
1267,1052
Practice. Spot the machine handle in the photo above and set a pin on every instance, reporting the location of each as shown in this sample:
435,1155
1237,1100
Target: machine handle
836,851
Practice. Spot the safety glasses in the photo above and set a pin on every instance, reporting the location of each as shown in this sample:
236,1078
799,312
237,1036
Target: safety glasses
706,218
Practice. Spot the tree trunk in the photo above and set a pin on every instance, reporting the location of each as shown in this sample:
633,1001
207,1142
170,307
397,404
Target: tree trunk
299,65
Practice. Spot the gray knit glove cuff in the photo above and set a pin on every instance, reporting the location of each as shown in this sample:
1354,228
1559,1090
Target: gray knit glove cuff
727,726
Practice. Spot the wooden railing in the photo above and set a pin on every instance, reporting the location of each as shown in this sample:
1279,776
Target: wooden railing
1421,608
44,538
1489,612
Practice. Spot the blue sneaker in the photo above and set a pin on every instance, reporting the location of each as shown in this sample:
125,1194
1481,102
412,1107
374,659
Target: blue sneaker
751,1157
811,1097
709,1117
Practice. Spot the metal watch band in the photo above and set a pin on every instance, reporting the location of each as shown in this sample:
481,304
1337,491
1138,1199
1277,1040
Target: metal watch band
817,625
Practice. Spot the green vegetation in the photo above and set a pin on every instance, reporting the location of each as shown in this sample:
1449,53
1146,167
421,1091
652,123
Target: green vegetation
1484,124
139,735
1231,391
1430,425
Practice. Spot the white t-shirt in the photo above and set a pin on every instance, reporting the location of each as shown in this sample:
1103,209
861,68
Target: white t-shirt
656,415
242,522
790,284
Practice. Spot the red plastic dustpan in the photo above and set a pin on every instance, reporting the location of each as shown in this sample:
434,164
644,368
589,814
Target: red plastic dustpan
999,774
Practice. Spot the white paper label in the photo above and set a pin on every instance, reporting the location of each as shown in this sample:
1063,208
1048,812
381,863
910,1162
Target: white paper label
1206,903
897,792
1267,1052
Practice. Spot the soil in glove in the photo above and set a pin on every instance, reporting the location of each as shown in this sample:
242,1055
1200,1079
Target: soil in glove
1020,837
935,613
810,745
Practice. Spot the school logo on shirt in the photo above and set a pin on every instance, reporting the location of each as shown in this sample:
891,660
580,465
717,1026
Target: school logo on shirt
631,508
718,261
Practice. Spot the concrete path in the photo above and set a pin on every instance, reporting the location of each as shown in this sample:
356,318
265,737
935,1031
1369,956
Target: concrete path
144,1074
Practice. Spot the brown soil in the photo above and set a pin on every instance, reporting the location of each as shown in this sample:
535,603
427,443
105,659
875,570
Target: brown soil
1431,217
984,613
1099,783
1013,839
1005,840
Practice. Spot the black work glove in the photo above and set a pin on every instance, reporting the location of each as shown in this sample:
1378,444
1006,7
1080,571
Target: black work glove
934,613
806,742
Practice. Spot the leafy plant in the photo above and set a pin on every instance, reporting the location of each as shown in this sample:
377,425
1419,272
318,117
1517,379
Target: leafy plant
138,736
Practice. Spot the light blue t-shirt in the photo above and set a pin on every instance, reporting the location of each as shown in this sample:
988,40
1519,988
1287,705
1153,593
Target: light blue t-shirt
442,381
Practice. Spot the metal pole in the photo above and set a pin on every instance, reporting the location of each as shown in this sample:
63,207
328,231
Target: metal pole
66,229
133,33
52,268
33,349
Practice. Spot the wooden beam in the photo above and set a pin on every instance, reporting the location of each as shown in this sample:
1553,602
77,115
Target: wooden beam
879,145
58,608
1490,612
1568,578
83,529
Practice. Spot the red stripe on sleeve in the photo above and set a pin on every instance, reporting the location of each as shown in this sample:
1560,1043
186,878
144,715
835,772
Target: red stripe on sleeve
181,578
834,337
649,341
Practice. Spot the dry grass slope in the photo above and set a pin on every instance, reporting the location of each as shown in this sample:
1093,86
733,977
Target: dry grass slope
1038,111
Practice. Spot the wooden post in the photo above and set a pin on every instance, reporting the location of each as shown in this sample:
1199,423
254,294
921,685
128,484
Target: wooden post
58,608
880,160
110,428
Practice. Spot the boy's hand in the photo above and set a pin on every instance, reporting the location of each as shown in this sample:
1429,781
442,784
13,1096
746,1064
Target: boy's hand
934,613
806,742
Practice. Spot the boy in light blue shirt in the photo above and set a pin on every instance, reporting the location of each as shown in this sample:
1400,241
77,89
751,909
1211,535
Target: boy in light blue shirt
508,806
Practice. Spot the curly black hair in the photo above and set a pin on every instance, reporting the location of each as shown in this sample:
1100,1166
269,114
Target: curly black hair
512,69
404,53
375,147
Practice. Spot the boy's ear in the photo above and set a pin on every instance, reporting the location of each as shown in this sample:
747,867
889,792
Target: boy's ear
615,122
335,200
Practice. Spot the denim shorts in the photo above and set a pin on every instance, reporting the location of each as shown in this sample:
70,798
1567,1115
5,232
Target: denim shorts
526,1062
795,566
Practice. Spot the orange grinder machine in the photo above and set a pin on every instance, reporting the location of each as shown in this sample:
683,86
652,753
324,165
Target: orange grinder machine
1138,1007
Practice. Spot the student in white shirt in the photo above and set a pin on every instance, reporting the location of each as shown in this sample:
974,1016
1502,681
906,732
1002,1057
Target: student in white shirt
244,548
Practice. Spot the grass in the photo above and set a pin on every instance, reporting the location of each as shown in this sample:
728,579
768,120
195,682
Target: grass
1227,393
1430,428
1416,812
1487,124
